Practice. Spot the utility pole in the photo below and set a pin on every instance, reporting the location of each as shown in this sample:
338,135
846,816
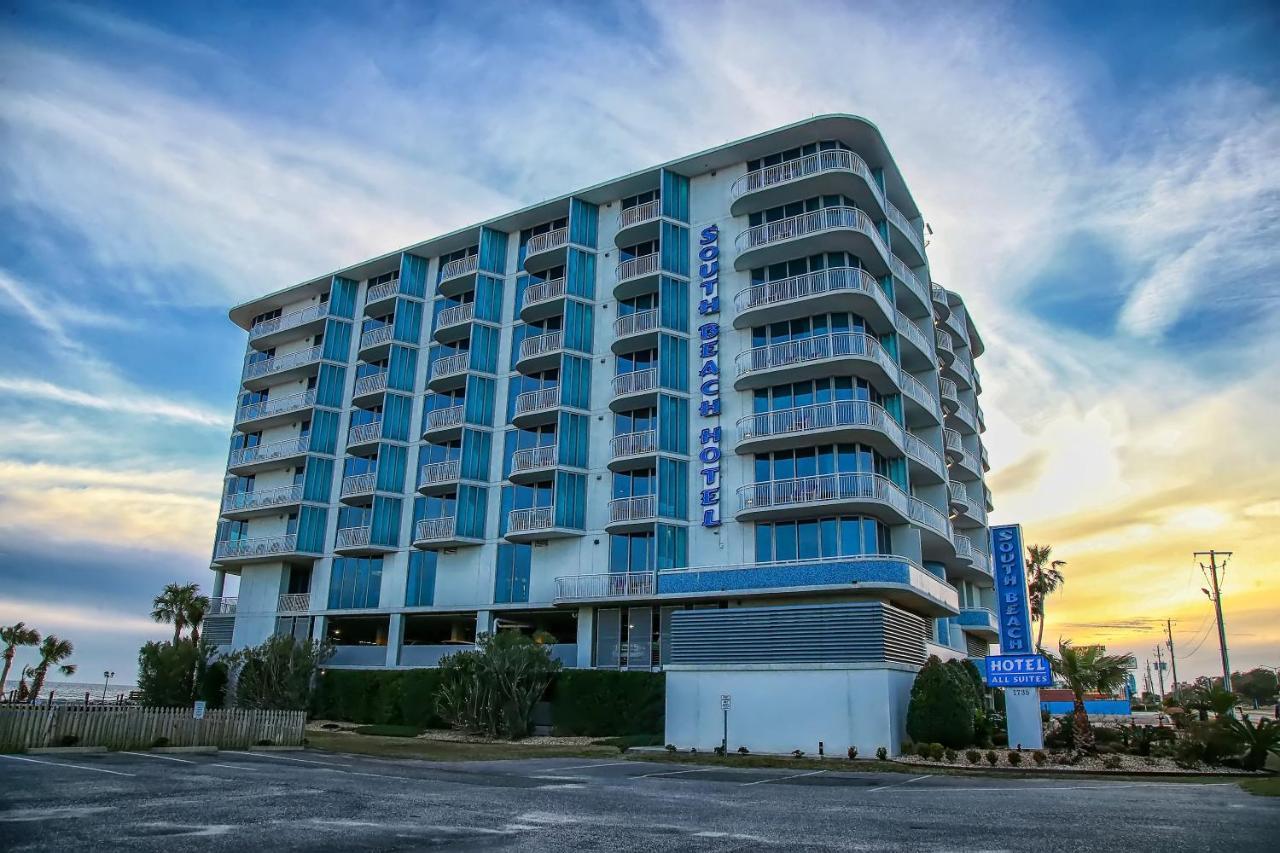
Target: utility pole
1160,670
1151,688
1215,595
1168,627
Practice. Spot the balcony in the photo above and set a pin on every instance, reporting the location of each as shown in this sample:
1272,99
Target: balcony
434,534
356,540
296,324
358,489
986,461
972,514
632,514
831,229
638,224
920,352
362,438
535,408
636,389
281,368
454,323
605,587
638,331
963,419
971,562
275,411
261,550
955,324
444,424
532,525
638,276
965,466
437,478
823,493
450,372
294,602
533,464
907,240
369,390
540,352
909,285
542,300
919,400
458,276
836,172
380,295
986,499
979,621
278,454
835,289
950,394
837,353
938,296
546,250
946,353
927,465
933,520
821,423
632,450
265,502
223,606
957,497
959,369
375,344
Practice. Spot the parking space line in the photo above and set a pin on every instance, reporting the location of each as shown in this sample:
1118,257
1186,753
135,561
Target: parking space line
782,778
588,766
678,772
72,766
153,755
385,776
234,767
900,784
300,760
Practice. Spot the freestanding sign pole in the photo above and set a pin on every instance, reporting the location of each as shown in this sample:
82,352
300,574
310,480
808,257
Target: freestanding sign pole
1018,668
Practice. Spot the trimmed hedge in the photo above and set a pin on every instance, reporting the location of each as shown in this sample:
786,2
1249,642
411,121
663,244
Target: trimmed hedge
395,698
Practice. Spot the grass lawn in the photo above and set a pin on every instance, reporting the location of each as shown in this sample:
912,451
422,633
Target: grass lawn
436,750
1263,787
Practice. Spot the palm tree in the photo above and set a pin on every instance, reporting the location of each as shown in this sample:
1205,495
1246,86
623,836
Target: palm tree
1043,579
13,636
53,651
195,616
1087,669
1212,696
176,604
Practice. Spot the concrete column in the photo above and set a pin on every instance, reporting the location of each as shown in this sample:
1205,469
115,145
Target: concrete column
586,629
318,629
395,636
219,580
484,622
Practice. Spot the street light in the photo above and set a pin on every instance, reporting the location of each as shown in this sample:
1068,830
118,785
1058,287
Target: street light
106,679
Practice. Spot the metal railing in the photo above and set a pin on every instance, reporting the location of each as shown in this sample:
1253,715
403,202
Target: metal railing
813,222
915,390
267,452
456,315
803,167
943,339
546,242
977,616
823,487
637,508
275,364
533,458
362,433
911,330
428,529
964,415
359,484
633,444
382,291
544,291
224,606
294,602
289,321
834,280
536,401
838,413
964,545
460,267
264,546
918,450
904,274
353,537
898,219
277,406
374,337
527,520
635,382
832,345
639,213
614,585
542,344
981,559
445,418
951,441
371,384
949,390
635,324
958,494
439,472
450,365
262,499
636,267
930,516
961,369
938,294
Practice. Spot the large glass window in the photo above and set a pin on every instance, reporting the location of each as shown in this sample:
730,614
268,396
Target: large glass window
420,591
631,552
639,250
843,458
817,326
803,266
635,420
633,362
639,199
813,392
355,582
512,581
822,538
796,208
634,484
796,153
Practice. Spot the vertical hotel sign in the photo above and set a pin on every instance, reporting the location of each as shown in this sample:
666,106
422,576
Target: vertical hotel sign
1011,587
709,452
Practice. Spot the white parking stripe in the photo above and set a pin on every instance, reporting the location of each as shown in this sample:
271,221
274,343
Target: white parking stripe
782,778
300,760
72,766
678,772
588,766
899,784
153,755
234,767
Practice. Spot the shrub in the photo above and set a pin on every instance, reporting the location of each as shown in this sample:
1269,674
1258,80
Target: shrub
908,748
601,702
1039,758
937,751
950,755
1112,762
973,756
719,750
68,740
492,690
159,742
1014,758
671,747
853,753
166,674
942,705
882,753
992,758
797,753
388,731
278,675
742,750
1255,741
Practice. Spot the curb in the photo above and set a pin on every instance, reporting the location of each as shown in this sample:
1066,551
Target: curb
275,749
193,750
67,750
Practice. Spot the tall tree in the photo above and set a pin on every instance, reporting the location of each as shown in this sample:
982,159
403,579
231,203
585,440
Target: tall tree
1087,669
1043,579
14,636
176,604
53,651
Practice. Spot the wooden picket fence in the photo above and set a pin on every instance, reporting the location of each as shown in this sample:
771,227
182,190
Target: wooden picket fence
32,726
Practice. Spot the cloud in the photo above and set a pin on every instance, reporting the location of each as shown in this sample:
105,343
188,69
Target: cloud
136,403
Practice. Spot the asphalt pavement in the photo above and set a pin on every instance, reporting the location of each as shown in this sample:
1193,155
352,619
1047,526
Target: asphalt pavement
326,801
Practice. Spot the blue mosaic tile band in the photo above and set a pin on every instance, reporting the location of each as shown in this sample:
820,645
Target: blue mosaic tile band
833,573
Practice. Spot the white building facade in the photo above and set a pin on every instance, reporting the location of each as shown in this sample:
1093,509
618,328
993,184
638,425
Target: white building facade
725,388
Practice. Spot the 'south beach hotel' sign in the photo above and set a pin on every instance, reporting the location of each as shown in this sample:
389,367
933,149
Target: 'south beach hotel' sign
708,341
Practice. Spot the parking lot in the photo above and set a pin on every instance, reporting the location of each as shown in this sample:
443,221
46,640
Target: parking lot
317,800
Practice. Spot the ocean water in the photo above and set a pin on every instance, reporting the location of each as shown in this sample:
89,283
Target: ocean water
73,691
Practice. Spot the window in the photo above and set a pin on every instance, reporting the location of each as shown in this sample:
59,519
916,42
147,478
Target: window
814,392
355,582
256,356
265,316
639,199
239,485
821,538
371,323
639,250
637,304
634,484
511,583
394,275
803,266
634,362
843,458
241,440
795,154
635,420
631,552
545,228
372,368
421,588
795,208
801,328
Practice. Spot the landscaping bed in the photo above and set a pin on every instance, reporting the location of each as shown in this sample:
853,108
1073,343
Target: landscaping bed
1063,762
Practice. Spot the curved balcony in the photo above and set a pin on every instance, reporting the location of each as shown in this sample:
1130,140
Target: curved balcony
543,299
831,229
363,438
281,368
986,461
296,324
634,390
275,411
546,250
971,514
358,540
824,493
935,531
836,353
449,372
821,423
908,285
926,464
436,478
369,390
262,502
979,418
379,297
375,343
638,331
358,489
434,534
907,240
277,454
957,497
540,352
454,323
979,621
458,276
632,514
982,562
952,444
938,297
532,525
263,549
638,224
638,276
535,408
950,394
946,353
822,173
836,289
962,419
917,351
632,450
444,424
959,370
533,464
955,323
919,402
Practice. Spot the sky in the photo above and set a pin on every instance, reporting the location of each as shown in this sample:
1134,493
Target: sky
1102,182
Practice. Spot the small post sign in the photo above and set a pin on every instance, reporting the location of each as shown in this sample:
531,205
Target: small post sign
197,713
726,701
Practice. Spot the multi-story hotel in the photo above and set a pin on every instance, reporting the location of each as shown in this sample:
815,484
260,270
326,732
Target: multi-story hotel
721,396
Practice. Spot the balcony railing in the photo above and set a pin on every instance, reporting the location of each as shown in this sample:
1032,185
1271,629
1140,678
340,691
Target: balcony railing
528,520
537,401
223,606
382,291
636,267
918,450
914,389
834,280
913,236
275,364
265,546
374,337
359,484
544,291
635,324
615,585
930,516
949,391
903,274
262,499
962,370
803,167
982,559
363,433
289,321
460,267
635,382
958,494
371,384
964,545
909,329
445,418
456,315
429,529
638,508
823,487
294,602
267,452
636,214
633,444
277,406
952,441
833,345
943,340
439,472
353,537
542,344
546,242
939,295
813,222
533,458
820,416
450,365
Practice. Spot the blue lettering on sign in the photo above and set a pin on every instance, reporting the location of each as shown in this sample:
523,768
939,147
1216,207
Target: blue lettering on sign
1011,590
709,453
1018,671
